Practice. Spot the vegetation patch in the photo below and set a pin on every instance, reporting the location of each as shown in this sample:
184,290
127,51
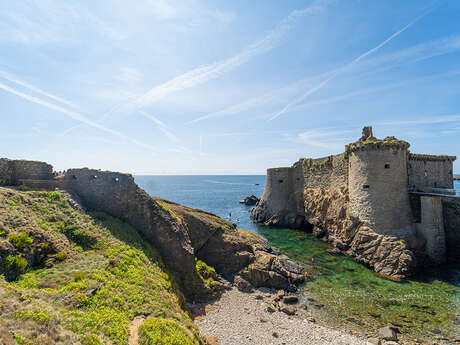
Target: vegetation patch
159,331
100,274
20,240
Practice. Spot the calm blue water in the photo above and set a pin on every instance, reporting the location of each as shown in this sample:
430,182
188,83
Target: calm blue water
457,186
215,194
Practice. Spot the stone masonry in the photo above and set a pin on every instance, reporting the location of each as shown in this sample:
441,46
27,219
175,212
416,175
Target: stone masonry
371,181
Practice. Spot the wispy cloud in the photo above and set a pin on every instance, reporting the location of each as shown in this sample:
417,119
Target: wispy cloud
15,80
413,54
45,22
325,139
346,67
161,126
272,97
203,74
74,115
423,121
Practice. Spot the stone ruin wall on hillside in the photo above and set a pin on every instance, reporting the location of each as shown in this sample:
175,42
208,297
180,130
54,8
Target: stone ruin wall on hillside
13,171
118,195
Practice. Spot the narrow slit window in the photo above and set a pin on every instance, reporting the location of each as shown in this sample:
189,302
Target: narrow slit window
280,181
366,186
387,165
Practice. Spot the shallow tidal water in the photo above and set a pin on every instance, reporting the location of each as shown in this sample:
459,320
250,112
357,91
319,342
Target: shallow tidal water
342,292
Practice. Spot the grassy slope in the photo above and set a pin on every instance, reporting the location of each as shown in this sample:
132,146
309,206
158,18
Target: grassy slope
97,274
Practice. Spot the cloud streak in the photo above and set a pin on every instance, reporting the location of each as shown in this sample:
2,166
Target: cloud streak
74,115
15,80
205,73
162,126
346,67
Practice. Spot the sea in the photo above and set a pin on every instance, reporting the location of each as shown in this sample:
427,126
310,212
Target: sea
342,293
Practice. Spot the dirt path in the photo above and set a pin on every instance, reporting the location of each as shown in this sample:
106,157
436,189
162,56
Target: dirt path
133,327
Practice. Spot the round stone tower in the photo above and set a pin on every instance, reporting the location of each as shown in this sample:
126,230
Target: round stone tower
377,184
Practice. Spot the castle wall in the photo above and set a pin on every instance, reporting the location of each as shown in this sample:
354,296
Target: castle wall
326,172
12,171
118,195
432,228
5,172
430,171
378,189
282,197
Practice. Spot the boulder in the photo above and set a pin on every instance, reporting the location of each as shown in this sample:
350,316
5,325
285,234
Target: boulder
388,333
290,299
250,200
373,341
243,285
288,309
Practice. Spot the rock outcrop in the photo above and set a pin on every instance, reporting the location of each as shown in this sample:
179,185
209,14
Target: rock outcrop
182,235
327,211
250,200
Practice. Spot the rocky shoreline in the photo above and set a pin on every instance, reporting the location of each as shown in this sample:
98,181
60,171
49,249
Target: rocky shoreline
239,318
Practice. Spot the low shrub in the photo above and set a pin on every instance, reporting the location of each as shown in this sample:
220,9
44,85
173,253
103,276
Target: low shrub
16,263
20,240
157,331
61,256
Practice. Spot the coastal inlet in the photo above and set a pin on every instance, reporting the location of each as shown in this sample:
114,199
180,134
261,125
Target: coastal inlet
342,292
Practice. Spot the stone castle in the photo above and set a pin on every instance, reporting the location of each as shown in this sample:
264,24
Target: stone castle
376,192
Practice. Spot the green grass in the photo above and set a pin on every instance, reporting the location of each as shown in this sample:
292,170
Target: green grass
104,274
158,331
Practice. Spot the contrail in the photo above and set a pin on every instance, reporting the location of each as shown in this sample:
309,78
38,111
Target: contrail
162,126
11,79
74,115
342,70
205,73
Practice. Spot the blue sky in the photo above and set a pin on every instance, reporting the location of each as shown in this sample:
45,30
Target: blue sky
231,87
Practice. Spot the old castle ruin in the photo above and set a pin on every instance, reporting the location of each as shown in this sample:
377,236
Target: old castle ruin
180,234
378,202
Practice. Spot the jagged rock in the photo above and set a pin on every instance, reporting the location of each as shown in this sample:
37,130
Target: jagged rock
250,200
388,333
290,299
271,309
334,251
326,210
243,285
288,309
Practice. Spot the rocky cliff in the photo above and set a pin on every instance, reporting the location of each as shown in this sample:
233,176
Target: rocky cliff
105,262
180,234
327,211
327,217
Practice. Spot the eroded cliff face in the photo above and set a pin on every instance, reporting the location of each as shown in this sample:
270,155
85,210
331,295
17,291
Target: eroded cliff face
326,215
184,235
327,211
